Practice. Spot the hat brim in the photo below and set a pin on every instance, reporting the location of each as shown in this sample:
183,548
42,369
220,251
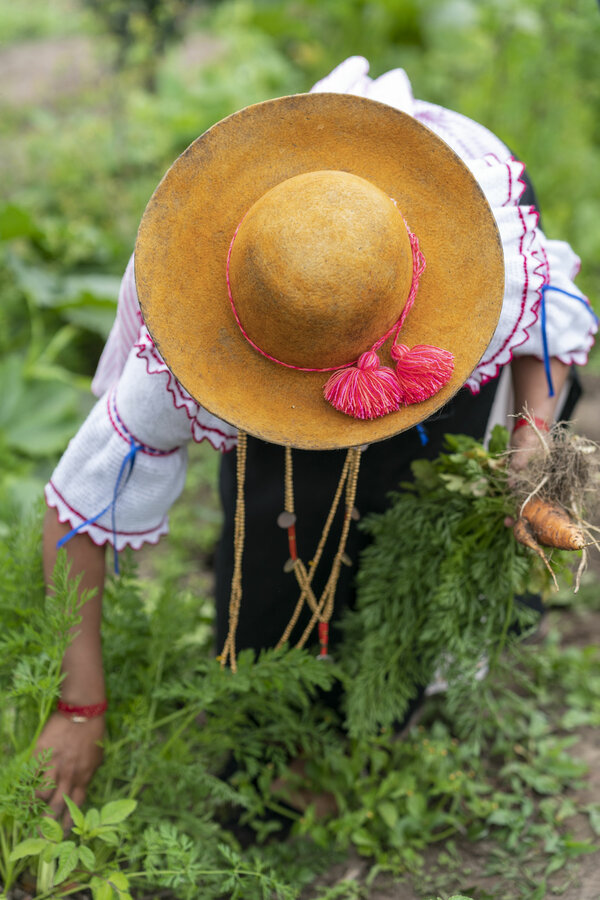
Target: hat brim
184,236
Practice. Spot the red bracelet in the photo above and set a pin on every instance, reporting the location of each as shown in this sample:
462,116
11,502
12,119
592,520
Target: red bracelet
539,423
82,713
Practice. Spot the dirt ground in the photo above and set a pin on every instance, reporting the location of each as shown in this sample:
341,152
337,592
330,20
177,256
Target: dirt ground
35,73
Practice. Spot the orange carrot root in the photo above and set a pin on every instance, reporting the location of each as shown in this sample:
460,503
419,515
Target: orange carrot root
524,534
552,526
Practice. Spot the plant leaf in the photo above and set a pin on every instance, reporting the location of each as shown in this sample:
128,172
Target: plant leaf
29,847
116,811
16,222
87,857
119,880
51,829
76,814
68,857
101,889
91,820
388,812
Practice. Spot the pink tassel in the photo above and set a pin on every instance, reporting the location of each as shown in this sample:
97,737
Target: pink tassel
365,391
422,371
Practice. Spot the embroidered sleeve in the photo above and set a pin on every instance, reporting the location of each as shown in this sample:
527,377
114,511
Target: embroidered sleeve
543,313
566,323
98,488
203,425
126,465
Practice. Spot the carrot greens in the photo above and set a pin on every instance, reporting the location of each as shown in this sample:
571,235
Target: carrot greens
439,585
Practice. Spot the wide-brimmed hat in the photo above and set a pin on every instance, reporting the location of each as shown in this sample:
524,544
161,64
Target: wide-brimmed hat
299,250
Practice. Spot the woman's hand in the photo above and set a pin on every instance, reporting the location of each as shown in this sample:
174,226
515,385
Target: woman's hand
531,397
525,442
76,754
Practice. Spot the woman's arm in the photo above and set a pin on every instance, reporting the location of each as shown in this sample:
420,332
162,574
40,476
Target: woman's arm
531,394
76,753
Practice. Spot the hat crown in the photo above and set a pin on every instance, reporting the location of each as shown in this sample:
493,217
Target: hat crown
320,268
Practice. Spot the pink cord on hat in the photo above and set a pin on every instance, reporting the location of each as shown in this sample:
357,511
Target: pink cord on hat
363,388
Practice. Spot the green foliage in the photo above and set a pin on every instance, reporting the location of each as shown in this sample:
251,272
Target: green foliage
317,36
180,717
87,858
142,29
395,798
102,846
437,585
49,319
35,635
161,683
219,740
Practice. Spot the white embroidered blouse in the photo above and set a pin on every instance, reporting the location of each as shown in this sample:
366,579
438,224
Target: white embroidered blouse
142,404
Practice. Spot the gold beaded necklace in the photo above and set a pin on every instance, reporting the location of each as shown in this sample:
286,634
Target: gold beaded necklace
322,608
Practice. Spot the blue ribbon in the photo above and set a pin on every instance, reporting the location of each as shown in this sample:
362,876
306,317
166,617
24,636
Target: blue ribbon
545,289
423,435
122,479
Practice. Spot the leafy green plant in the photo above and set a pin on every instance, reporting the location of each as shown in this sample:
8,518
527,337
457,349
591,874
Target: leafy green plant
161,682
46,316
40,20
98,855
220,740
34,638
142,30
88,859
445,570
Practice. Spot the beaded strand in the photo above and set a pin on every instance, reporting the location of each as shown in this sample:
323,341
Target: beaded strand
303,577
321,609
325,607
238,544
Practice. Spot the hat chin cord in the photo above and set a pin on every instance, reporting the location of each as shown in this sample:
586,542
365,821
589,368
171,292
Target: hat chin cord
363,388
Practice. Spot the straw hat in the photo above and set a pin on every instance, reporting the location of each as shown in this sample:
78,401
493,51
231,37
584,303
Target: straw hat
303,234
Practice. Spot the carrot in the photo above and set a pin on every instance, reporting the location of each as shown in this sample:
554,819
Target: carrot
523,533
552,526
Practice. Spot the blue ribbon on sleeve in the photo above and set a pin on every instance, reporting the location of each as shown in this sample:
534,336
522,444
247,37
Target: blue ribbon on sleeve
122,478
424,437
545,289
